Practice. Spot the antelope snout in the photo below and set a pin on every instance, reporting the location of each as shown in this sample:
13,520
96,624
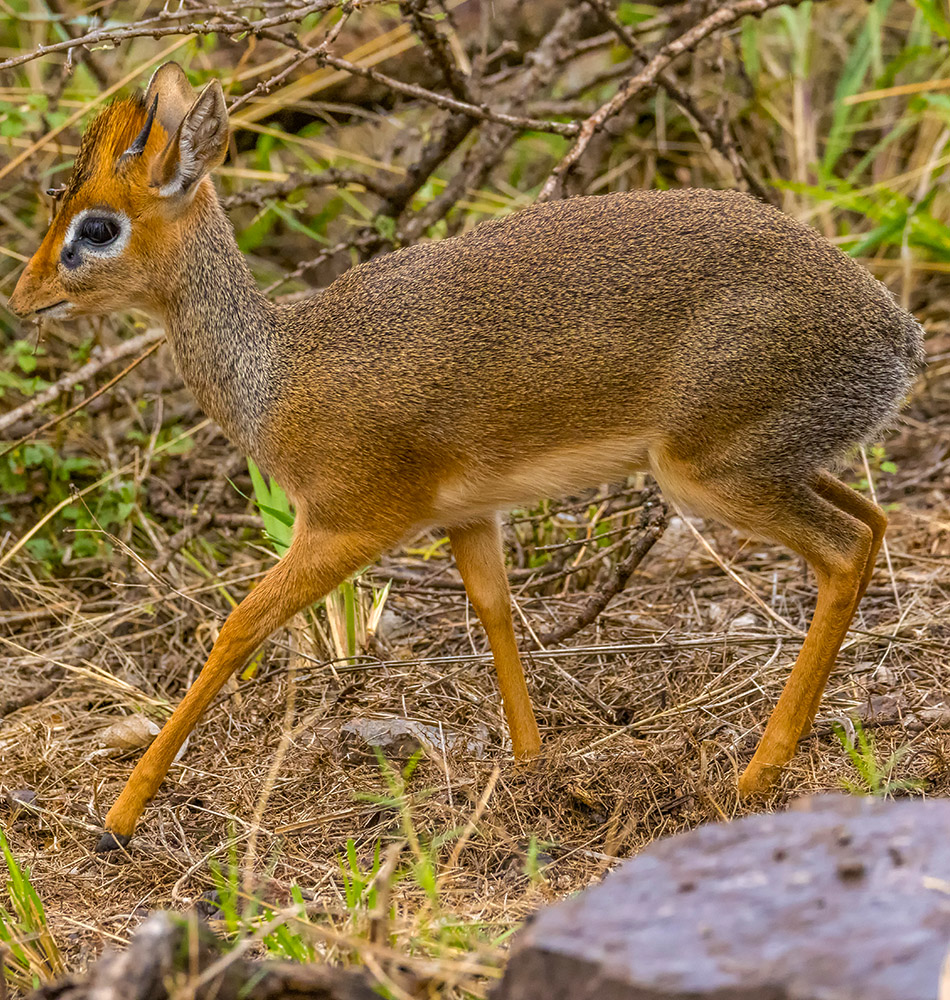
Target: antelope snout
31,296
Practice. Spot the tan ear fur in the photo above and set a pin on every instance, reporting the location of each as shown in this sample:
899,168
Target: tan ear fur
199,145
175,95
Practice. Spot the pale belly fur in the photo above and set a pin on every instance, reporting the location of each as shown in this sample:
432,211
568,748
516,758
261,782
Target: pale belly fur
557,473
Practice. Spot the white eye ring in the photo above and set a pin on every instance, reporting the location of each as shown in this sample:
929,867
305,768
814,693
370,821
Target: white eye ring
111,249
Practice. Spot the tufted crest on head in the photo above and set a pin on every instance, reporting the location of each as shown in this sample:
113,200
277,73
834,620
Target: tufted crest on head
133,191
105,151
167,138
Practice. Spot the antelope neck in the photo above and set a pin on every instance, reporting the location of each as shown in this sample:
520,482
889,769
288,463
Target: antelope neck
222,330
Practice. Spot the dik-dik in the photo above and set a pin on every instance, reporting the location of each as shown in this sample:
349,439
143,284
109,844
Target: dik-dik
700,335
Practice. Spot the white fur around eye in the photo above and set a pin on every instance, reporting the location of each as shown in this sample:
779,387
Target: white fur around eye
112,249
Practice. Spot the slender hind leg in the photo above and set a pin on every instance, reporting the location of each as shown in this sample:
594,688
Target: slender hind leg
480,559
315,563
839,546
814,519
858,506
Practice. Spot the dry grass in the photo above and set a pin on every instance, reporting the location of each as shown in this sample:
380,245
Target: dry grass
647,721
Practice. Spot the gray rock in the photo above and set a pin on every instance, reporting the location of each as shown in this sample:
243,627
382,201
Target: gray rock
838,899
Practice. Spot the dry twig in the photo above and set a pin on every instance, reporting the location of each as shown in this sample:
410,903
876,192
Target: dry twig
726,15
650,526
101,359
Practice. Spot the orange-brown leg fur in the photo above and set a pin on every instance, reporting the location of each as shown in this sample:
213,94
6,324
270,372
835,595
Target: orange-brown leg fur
833,528
839,546
480,559
315,563
864,510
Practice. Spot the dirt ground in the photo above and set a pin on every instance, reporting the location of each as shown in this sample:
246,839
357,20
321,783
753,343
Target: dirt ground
647,716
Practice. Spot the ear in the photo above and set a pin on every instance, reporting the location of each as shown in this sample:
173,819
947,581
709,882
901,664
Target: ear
198,146
175,95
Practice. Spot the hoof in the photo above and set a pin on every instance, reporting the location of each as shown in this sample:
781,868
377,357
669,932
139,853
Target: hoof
112,842
758,779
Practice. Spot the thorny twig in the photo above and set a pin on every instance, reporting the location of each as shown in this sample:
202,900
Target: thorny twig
170,22
332,177
715,132
102,359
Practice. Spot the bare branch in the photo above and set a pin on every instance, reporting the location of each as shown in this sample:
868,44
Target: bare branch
100,360
482,112
715,133
650,526
332,177
725,16
438,48
167,23
538,74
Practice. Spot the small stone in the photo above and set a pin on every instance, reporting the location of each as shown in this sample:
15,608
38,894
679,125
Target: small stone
208,905
936,715
744,622
21,796
540,859
392,626
885,676
883,708
646,622
130,733
397,738
401,738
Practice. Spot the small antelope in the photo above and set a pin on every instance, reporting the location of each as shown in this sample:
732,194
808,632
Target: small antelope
700,335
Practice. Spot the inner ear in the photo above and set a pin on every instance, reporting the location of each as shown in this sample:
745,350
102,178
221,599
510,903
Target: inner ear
199,145
175,95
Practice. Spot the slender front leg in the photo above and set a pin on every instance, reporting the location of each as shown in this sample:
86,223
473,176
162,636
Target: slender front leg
315,563
480,559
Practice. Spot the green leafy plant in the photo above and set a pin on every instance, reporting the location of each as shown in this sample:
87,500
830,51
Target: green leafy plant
243,912
18,372
36,470
17,117
424,852
359,887
421,925
873,216
28,949
878,460
874,777
274,505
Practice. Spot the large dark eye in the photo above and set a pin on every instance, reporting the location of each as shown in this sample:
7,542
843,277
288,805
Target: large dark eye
98,230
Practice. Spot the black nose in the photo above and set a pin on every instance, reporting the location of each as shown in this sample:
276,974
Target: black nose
70,256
